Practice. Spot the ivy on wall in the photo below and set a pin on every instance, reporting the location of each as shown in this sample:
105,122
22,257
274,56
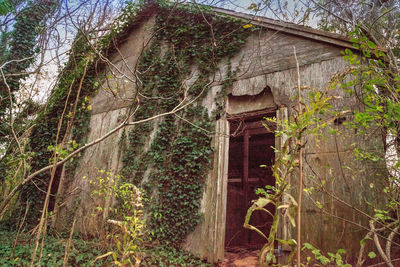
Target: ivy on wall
20,43
180,154
18,48
44,132
83,64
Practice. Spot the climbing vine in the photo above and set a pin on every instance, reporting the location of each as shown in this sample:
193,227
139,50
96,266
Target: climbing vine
19,46
70,102
18,49
180,153
67,92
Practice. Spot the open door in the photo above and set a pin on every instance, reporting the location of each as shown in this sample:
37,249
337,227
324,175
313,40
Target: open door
250,146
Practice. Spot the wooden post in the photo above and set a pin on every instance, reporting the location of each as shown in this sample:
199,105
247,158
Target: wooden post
246,172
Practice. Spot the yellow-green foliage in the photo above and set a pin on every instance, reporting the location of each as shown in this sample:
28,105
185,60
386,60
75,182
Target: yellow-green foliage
127,216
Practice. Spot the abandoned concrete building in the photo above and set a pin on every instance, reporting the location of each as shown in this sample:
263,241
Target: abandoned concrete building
257,80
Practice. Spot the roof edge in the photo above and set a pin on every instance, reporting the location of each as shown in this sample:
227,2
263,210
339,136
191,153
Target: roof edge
290,28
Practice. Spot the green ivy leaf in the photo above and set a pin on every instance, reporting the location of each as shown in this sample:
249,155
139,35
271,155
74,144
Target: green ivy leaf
308,246
341,251
371,44
5,7
371,255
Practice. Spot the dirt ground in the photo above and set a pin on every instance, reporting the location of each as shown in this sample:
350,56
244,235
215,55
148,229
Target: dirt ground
236,257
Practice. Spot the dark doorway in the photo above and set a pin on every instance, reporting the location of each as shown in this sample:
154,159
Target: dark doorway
249,148
54,187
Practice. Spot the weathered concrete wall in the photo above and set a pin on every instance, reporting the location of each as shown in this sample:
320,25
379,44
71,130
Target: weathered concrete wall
348,181
208,239
350,186
248,103
110,107
271,51
266,60
333,159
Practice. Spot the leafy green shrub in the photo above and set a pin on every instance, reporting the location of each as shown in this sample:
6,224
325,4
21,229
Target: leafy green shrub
82,252
127,216
170,256
333,258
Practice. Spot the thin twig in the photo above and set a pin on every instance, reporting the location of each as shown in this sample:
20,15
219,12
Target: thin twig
300,186
378,244
86,146
44,216
68,246
19,230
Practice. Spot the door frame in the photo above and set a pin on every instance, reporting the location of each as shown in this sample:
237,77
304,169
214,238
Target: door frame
247,124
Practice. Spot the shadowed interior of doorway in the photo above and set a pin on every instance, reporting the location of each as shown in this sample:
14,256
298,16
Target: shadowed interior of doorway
251,156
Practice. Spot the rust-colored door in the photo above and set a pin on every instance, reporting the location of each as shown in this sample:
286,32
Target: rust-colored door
249,148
